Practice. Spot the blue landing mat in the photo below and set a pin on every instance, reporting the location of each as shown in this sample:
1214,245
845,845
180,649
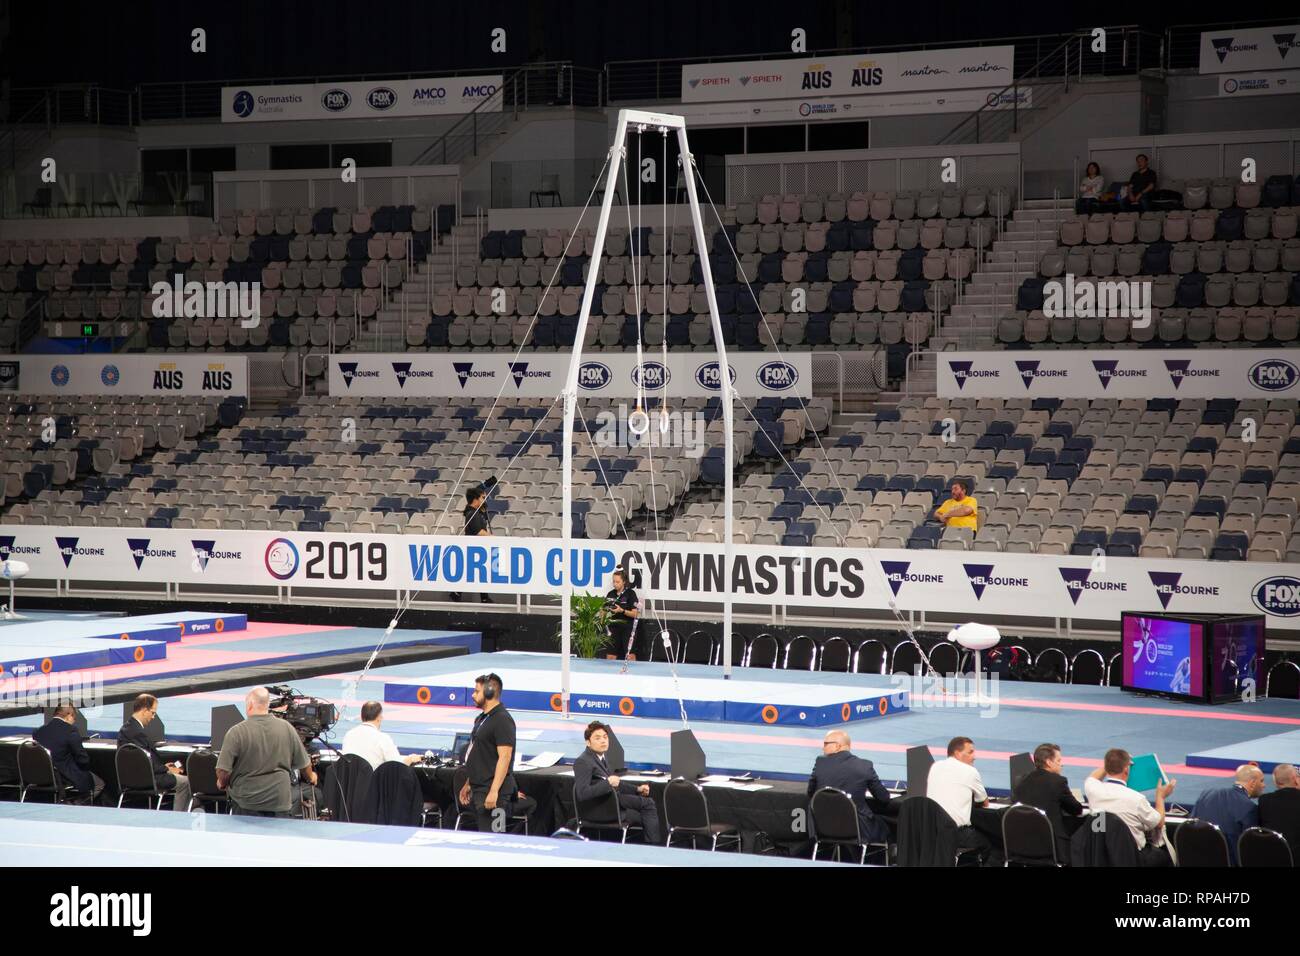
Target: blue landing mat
1268,752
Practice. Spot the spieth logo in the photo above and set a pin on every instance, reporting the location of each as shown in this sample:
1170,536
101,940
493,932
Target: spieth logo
964,370
651,375
708,376
281,559
205,551
896,573
1108,369
381,98
10,550
465,371
68,550
981,577
1166,585
778,376
1029,371
139,548
594,375
1273,375
351,370
1180,369
403,371
60,376
244,104
336,100
584,704
1076,582
519,371
1278,595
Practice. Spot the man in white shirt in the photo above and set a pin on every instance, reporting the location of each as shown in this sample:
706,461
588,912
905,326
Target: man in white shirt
368,741
1107,789
956,786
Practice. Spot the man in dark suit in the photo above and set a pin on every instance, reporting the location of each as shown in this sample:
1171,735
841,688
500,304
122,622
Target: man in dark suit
1046,788
1232,809
838,767
168,777
1280,810
592,781
61,738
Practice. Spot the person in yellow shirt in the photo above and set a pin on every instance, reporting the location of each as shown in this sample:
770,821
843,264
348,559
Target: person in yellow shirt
961,510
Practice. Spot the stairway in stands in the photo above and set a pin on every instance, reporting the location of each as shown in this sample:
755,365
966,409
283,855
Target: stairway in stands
991,291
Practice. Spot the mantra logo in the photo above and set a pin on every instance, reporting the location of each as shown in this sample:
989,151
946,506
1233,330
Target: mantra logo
206,551
1077,581
352,370
594,376
465,371
1029,371
1278,595
896,574
651,376
1166,585
778,376
403,371
519,372
67,548
281,559
1108,369
961,371
981,576
1180,369
139,548
8,548
1273,375
708,376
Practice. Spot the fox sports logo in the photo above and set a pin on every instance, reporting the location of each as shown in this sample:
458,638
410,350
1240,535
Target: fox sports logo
708,376
1274,375
381,98
1278,595
336,100
651,375
593,376
778,376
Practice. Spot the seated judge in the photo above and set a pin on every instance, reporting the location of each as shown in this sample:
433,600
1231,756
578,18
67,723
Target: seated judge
957,786
1108,791
592,781
168,777
1046,788
1232,809
368,740
71,762
1280,810
840,768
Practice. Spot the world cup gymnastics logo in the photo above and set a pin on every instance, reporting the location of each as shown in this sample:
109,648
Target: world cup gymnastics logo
281,559
60,375
110,376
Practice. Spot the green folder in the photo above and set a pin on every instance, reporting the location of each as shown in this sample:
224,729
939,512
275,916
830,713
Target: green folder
1145,773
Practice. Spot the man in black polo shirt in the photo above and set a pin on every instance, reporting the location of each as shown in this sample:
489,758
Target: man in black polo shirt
1141,185
624,609
490,787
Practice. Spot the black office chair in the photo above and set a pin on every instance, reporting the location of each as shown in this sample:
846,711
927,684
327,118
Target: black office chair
603,813
347,789
945,658
836,656
524,806
800,654
871,657
201,769
564,833
135,777
699,649
1258,846
687,811
835,822
763,651
1028,837
36,775
1201,843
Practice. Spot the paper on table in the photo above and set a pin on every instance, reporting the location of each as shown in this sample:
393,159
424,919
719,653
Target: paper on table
548,758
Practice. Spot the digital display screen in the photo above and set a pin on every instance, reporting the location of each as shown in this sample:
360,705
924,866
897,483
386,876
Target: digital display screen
1164,656
1238,649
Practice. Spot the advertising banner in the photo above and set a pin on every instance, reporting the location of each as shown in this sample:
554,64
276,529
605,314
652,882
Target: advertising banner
173,373
434,96
1258,48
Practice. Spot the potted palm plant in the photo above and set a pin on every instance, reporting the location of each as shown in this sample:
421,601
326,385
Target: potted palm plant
587,633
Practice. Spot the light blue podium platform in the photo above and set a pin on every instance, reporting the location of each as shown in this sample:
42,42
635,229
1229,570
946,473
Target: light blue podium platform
1268,752
50,646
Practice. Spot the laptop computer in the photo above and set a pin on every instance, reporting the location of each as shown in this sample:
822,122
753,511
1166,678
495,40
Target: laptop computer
460,746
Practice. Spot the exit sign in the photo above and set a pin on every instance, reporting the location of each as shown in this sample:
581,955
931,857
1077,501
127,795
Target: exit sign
90,329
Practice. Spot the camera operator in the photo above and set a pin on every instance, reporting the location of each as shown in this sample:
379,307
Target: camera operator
624,608
257,760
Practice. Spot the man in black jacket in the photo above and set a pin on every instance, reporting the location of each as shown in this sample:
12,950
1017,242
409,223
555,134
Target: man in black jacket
1046,788
592,781
838,767
1280,810
167,777
61,738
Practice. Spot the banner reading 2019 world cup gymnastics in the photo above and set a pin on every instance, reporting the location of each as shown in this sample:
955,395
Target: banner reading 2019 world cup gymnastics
969,582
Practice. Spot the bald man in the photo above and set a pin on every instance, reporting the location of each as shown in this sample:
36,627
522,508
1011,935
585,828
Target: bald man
1232,809
1280,810
258,758
838,767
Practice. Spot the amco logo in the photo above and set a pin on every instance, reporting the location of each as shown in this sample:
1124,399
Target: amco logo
1273,375
594,375
1278,595
336,100
381,98
429,93
708,376
778,376
651,375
